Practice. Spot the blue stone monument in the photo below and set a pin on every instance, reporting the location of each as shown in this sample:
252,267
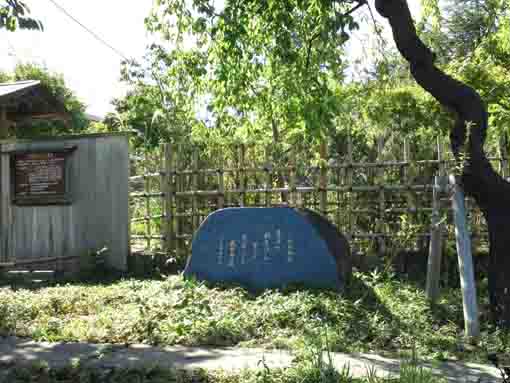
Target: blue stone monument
263,248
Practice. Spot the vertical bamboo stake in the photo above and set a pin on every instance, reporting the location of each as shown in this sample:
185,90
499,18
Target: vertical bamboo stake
443,188
338,199
148,225
441,159
169,199
435,251
323,180
408,170
195,219
178,203
242,171
436,232
292,178
466,272
382,197
164,191
349,181
269,177
221,184
503,153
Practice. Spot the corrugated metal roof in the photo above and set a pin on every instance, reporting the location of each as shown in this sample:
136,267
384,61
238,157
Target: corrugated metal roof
8,88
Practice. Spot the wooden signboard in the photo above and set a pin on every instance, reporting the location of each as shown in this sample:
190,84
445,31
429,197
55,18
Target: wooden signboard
39,178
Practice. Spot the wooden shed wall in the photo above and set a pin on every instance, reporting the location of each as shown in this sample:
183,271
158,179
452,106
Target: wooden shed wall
98,216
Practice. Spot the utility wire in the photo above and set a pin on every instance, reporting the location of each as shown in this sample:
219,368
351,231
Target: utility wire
91,32
102,41
12,50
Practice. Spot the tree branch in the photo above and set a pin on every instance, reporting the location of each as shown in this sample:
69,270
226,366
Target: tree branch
316,36
470,111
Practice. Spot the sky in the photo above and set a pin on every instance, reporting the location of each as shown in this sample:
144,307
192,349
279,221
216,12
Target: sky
91,69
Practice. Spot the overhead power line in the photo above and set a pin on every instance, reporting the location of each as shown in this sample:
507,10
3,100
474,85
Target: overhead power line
91,32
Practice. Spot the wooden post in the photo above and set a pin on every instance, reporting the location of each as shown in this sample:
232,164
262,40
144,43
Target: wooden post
169,199
382,198
4,123
435,250
148,223
269,177
349,180
292,178
408,174
441,156
323,180
178,203
242,173
436,231
338,201
466,272
221,184
6,229
503,152
195,211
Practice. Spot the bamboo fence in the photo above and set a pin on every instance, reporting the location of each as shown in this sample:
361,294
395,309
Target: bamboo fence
365,200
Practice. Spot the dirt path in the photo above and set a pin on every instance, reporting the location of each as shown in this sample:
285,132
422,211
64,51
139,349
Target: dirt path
17,351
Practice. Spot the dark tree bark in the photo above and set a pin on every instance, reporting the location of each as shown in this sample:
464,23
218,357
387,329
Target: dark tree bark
478,178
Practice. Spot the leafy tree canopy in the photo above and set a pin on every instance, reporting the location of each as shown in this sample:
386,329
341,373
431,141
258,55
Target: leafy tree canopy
56,85
14,14
251,70
274,71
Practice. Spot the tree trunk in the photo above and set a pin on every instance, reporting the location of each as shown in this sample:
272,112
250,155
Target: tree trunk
479,180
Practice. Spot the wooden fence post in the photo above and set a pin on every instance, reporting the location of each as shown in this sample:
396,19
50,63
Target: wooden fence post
408,174
466,272
292,178
195,211
4,123
179,211
381,227
435,248
323,181
148,212
169,199
503,153
269,177
220,202
349,181
242,175
339,196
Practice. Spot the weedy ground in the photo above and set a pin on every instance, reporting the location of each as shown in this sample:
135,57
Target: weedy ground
379,313
311,370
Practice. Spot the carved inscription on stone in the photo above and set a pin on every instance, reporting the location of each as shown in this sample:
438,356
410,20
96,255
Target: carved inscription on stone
240,252
263,248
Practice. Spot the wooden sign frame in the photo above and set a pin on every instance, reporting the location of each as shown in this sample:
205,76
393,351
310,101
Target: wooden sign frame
41,177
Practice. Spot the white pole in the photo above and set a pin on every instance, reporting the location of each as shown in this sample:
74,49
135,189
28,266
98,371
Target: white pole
466,272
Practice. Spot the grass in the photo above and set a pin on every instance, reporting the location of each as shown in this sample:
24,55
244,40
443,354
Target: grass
309,371
378,314
38,374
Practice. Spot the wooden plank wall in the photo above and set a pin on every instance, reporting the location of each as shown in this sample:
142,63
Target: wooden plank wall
98,216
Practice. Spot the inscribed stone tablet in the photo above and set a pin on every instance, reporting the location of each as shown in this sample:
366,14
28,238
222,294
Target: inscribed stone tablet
264,248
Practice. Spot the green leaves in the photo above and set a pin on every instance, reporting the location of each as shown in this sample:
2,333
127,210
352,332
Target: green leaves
13,15
56,85
247,69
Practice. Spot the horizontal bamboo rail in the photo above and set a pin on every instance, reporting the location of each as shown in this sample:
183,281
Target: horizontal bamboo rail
349,192
353,165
